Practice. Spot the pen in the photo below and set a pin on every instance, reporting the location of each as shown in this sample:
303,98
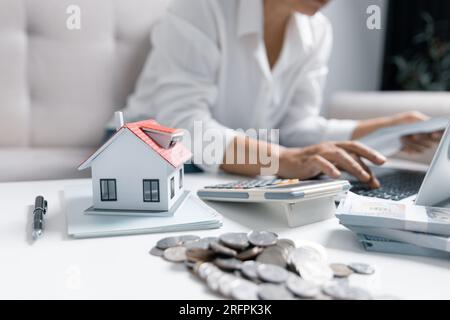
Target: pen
40,208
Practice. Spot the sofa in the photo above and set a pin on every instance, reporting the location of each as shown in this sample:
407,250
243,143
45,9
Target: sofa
59,87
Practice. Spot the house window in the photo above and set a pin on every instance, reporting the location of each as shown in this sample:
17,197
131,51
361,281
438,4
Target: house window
181,178
108,190
172,187
151,190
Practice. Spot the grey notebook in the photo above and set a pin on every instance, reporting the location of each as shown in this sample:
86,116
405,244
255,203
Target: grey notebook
377,244
423,240
192,214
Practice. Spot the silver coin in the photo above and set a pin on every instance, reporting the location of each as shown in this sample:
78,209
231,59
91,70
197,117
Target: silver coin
199,255
238,241
204,269
272,273
302,288
168,242
249,253
197,245
314,271
286,244
175,254
226,284
213,280
362,268
222,250
229,264
311,265
262,238
269,291
341,270
342,291
157,252
273,255
244,290
248,269
189,238
305,253
210,239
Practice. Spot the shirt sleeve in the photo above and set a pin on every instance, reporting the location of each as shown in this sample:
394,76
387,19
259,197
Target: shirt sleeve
179,83
303,125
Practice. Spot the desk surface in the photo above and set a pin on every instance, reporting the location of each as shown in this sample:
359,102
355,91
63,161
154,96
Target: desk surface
57,267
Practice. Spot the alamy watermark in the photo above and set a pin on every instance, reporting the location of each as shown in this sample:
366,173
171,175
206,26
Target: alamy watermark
73,21
73,278
212,147
373,21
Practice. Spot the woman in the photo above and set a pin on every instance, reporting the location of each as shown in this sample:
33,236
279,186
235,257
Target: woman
240,64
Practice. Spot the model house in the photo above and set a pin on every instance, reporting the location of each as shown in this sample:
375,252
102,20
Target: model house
139,168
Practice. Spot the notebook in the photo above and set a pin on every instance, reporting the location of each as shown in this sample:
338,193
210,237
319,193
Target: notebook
192,214
377,244
424,240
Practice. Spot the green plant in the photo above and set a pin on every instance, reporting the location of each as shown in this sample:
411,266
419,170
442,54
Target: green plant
427,66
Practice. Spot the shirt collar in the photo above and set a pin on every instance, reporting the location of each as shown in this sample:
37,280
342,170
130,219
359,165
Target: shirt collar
250,17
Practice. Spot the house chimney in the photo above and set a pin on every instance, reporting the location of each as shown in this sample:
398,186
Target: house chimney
118,116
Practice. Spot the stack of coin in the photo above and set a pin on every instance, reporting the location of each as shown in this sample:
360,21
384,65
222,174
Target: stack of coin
258,265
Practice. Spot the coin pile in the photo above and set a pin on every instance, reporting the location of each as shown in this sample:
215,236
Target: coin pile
258,265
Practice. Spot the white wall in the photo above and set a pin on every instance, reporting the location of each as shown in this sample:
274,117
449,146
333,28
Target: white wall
356,61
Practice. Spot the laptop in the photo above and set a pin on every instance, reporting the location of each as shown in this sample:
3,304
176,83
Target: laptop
426,189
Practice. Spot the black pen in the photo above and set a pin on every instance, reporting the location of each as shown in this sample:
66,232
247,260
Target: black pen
40,208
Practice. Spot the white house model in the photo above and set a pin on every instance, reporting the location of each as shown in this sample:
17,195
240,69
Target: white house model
139,168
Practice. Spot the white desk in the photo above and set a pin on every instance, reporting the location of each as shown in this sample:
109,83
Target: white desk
121,268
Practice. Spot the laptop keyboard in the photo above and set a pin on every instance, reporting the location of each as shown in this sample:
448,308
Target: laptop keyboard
394,186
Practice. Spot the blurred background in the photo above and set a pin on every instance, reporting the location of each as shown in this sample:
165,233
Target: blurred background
411,52
59,87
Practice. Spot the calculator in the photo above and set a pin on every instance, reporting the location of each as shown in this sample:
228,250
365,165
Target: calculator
273,190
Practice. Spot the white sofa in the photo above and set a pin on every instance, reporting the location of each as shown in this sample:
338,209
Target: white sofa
59,87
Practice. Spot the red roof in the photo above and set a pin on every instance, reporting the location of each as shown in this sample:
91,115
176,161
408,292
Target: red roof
153,125
176,155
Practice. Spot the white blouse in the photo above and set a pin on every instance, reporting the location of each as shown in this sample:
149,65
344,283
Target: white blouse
209,63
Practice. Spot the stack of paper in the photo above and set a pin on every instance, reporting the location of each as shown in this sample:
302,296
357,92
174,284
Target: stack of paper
191,214
397,224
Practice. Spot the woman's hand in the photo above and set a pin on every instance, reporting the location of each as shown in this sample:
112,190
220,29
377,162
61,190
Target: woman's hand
417,143
330,158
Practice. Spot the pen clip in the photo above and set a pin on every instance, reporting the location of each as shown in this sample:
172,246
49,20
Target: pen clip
43,209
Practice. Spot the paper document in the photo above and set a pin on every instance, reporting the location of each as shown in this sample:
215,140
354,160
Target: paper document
388,140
